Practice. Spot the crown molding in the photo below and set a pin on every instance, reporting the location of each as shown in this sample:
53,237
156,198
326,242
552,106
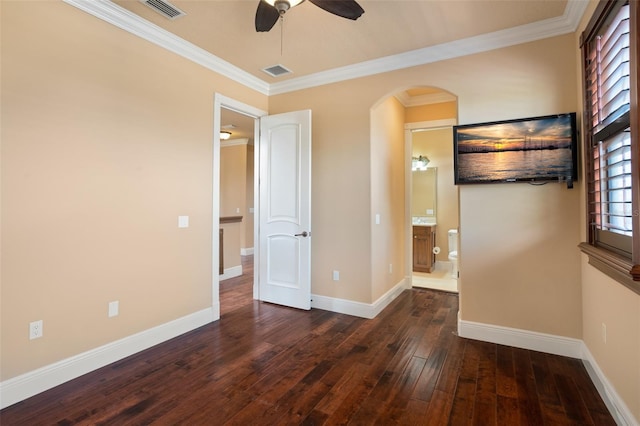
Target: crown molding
433,98
552,27
419,126
122,18
234,142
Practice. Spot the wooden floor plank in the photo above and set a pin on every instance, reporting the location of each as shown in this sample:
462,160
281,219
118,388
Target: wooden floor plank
505,375
264,364
485,404
528,402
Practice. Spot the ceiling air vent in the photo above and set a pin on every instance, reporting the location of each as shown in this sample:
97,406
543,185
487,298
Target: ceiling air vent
276,70
164,8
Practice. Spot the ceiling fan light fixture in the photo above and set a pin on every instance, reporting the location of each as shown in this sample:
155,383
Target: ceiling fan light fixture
283,5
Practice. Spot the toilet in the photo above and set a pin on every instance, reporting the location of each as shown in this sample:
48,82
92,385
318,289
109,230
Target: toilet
453,252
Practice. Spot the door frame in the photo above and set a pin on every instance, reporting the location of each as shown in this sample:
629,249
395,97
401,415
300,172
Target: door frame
409,128
220,101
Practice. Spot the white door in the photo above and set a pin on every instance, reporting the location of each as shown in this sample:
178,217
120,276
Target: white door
285,209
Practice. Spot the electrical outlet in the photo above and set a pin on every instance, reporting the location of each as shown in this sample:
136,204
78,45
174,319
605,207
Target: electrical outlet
604,332
35,330
391,268
336,275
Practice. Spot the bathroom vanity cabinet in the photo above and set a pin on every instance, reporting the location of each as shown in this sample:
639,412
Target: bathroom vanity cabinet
424,240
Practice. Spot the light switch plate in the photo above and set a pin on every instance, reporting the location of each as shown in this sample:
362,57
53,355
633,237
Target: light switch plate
183,221
114,308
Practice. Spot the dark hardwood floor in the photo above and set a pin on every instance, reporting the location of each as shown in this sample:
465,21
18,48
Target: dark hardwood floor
263,364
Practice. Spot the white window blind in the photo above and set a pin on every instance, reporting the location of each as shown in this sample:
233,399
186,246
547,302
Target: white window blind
607,84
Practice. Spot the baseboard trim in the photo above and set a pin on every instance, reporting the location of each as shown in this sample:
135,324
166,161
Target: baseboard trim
618,409
234,271
34,382
358,309
557,345
518,338
246,251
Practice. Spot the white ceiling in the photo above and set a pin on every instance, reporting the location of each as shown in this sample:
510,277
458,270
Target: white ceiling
319,47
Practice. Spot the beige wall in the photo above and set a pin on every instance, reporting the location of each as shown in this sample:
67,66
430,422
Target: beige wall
439,111
233,197
608,302
543,74
249,216
519,266
437,145
236,197
233,179
99,157
387,196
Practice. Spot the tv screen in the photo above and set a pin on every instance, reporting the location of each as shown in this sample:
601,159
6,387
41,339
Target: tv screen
536,149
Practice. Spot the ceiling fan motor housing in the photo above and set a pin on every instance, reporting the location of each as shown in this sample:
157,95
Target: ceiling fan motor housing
282,6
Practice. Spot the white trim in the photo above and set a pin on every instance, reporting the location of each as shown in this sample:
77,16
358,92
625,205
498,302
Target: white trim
128,21
430,99
518,338
234,142
431,124
358,309
246,251
34,382
614,403
122,18
234,271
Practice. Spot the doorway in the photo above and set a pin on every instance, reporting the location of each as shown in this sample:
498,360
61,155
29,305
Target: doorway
237,211
281,205
245,114
430,114
434,203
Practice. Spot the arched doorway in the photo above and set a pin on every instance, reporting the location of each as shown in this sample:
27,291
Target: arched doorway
431,202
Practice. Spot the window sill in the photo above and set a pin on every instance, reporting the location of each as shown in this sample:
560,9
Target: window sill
614,266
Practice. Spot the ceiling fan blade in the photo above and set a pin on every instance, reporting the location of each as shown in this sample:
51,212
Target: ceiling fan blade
345,8
266,16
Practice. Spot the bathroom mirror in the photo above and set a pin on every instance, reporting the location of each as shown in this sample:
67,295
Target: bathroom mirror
423,195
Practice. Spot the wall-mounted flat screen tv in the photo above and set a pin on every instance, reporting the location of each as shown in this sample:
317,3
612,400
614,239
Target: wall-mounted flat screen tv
536,149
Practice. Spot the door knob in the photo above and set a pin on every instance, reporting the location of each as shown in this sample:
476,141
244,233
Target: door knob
303,234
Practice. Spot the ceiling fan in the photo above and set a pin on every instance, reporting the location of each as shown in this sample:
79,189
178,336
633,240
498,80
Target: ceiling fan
270,10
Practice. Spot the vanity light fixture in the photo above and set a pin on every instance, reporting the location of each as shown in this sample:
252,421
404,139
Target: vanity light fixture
225,135
419,163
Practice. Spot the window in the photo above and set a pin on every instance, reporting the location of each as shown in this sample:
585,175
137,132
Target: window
609,51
